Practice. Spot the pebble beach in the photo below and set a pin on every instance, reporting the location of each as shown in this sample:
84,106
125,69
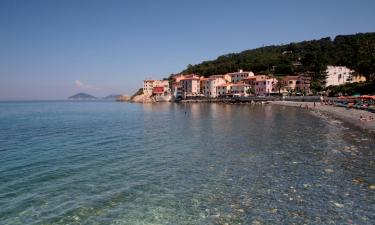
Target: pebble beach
349,116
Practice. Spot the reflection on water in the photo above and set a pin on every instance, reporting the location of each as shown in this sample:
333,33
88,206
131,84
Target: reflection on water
115,163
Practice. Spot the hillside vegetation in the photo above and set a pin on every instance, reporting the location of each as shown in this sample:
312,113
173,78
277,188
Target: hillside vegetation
354,51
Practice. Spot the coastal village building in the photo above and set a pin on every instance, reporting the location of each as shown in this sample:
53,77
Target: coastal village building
190,86
223,89
296,84
239,89
239,76
149,85
337,75
209,85
204,85
226,77
250,80
184,85
158,91
193,85
178,77
177,90
358,79
265,85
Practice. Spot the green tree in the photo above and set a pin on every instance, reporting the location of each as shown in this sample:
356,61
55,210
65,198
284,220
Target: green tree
250,91
280,84
354,51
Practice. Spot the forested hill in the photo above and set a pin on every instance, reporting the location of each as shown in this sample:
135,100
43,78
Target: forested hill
354,51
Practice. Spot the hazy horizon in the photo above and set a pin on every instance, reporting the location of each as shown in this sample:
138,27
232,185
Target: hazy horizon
55,49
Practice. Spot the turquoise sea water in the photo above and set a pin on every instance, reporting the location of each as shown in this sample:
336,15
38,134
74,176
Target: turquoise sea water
121,163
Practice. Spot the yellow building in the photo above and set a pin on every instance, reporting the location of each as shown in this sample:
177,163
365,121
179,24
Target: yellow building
358,79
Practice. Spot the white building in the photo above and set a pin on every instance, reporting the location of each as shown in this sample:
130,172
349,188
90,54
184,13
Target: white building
337,75
239,89
209,86
239,76
149,85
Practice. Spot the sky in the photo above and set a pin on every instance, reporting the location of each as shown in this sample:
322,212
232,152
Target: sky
51,49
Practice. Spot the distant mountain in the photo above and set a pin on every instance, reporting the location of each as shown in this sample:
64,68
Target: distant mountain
112,97
82,96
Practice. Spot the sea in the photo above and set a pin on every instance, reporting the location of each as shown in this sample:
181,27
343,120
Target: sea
74,162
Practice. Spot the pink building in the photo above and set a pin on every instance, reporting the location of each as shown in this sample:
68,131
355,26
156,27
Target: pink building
265,85
186,85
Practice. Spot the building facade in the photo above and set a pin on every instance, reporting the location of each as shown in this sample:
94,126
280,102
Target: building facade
296,85
149,85
265,85
337,75
239,76
239,89
190,86
222,89
210,85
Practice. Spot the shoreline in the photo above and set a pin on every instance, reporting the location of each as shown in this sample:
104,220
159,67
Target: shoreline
347,116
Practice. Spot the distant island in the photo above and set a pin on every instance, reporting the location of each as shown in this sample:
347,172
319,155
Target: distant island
82,96
111,97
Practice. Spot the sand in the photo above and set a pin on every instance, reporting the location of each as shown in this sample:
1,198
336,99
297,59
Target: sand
349,116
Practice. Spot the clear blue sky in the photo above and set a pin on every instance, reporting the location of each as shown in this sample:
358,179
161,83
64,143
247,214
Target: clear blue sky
52,49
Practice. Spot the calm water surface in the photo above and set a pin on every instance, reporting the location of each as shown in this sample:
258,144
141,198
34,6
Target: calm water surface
119,163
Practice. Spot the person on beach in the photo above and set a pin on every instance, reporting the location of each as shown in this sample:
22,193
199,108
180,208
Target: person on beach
314,105
370,118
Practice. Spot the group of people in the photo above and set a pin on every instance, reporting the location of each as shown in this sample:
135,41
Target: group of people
324,101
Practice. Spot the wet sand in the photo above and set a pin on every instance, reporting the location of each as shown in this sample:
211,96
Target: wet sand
349,116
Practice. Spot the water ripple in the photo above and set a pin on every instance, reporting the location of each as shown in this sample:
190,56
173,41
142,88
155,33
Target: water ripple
114,163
